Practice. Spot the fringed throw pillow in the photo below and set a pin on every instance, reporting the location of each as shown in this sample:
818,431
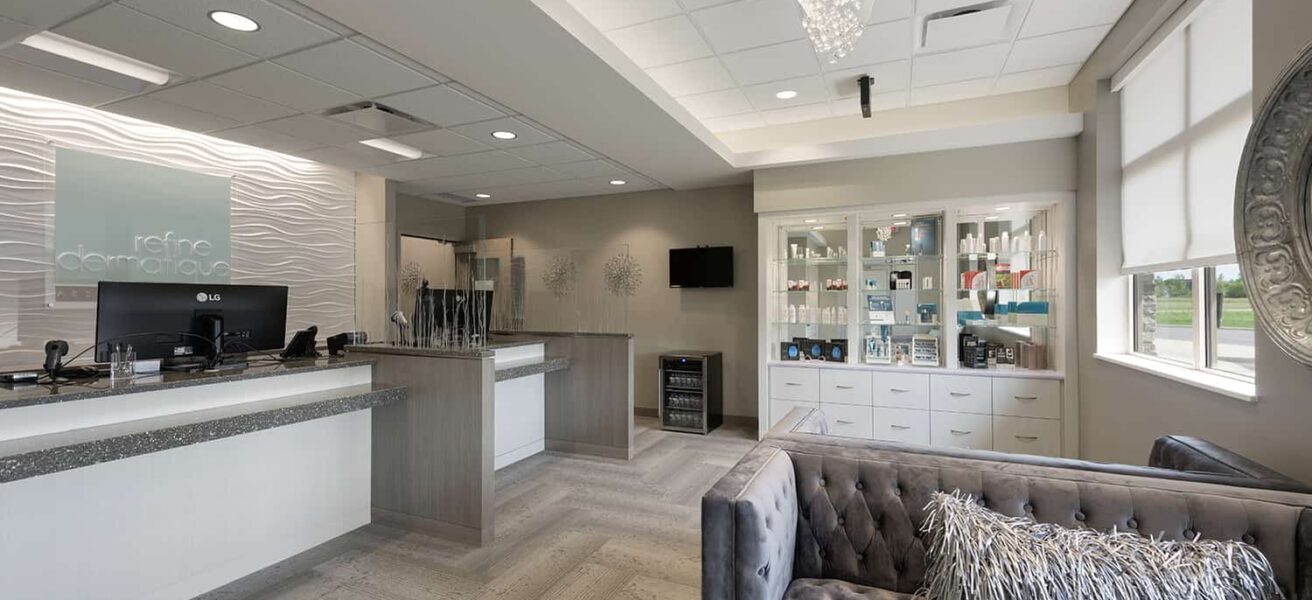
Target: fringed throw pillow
977,554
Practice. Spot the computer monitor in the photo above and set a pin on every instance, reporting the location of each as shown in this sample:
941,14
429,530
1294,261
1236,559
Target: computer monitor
174,321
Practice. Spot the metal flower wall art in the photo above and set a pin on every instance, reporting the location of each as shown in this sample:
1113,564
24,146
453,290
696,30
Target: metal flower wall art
623,275
560,276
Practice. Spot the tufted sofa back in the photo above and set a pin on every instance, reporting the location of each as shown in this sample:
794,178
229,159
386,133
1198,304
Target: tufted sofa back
859,514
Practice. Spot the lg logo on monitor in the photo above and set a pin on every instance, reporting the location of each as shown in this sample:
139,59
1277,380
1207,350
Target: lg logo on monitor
203,297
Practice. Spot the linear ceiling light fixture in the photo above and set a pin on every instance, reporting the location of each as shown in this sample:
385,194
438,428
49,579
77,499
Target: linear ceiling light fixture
97,57
482,196
394,147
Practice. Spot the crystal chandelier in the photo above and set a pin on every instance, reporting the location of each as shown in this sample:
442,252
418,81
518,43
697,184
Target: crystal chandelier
834,26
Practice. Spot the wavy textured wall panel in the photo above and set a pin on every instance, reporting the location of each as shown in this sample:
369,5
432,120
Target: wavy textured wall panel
293,220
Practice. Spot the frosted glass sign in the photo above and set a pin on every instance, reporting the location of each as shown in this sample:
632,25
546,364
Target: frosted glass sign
125,220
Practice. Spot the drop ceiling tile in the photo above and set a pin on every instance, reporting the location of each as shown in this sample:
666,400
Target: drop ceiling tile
120,29
717,104
527,135
552,153
950,92
878,102
318,129
35,80
691,5
960,65
772,63
167,113
891,10
397,57
693,77
442,105
1053,50
879,43
593,168
1052,16
73,68
936,6
280,31
442,142
351,157
494,179
211,98
612,14
254,135
735,122
750,23
283,86
887,77
1034,80
662,42
10,29
443,166
809,90
43,14
796,114
354,68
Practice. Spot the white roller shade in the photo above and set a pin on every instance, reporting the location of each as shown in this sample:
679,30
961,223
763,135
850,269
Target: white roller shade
1185,114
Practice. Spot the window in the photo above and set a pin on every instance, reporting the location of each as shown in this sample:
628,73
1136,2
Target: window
1198,318
1186,107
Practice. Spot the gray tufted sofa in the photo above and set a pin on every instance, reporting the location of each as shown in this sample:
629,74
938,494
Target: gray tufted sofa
802,517
1197,455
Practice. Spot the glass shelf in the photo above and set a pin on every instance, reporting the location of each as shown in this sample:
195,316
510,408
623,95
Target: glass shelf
809,291
993,256
906,259
812,262
998,324
915,325
1044,291
809,324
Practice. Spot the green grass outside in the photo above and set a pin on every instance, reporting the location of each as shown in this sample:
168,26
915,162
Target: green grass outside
1236,313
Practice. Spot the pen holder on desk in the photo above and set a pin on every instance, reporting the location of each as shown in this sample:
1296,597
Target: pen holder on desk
122,363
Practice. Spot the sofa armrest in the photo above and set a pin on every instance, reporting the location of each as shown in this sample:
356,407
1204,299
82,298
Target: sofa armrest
749,529
1191,454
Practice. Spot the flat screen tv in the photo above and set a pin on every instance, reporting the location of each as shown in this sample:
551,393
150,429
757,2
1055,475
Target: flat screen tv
701,267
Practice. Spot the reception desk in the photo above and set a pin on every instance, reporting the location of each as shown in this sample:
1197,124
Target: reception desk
472,411
168,486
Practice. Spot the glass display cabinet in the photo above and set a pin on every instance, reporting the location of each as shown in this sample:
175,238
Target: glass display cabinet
1006,289
901,290
811,289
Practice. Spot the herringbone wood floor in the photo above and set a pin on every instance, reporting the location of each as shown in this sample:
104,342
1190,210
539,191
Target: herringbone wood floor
568,528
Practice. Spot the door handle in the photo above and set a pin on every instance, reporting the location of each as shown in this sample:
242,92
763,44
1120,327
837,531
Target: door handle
1026,397
1028,438
792,383
842,422
900,427
958,394
843,387
959,432
898,390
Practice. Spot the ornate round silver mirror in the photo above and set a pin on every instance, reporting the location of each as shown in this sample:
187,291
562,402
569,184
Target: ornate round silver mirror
1273,236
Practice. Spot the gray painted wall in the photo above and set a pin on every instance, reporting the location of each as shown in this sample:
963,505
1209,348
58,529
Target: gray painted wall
661,319
429,218
1123,410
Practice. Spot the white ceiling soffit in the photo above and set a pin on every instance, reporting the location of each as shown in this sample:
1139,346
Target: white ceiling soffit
723,61
270,88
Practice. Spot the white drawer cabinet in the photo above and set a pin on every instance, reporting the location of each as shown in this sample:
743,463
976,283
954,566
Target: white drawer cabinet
961,393
845,387
901,390
1023,435
795,383
847,421
961,430
1038,398
780,409
908,426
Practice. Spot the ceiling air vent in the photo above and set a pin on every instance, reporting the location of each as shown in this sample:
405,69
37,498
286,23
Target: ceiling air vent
380,119
966,27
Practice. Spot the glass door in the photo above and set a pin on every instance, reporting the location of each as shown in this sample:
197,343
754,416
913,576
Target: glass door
810,290
901,290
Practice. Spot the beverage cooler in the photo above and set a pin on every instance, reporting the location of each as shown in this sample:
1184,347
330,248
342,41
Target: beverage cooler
691,391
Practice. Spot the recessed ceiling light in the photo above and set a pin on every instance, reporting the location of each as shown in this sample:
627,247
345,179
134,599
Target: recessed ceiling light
899,215
483,196
234,21
1003,208
504,135
991,218
810,220
818,227
900,223
394,147
786,94
97,57
618,182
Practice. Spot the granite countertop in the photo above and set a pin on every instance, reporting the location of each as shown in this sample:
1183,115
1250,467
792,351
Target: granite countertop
54,452
15,396
524,368
495,342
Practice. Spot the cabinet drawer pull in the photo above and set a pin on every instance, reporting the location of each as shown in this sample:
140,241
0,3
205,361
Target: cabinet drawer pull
842,422
959,394
960,432
900,427
898,390
843,387
1028,438
1026,397
792,383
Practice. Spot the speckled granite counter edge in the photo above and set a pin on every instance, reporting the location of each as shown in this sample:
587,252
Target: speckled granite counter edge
472,353
63,458
258,372
565,334
550,364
